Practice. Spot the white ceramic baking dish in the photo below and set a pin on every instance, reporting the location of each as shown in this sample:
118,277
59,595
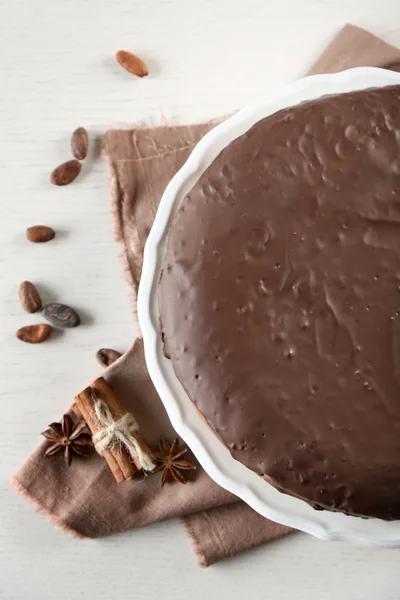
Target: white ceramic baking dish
213,456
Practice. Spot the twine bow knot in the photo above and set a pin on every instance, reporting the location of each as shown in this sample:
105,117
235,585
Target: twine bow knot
119,431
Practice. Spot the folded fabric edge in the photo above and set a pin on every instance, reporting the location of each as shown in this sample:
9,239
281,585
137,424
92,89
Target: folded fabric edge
113,201
17,485
196,543
107,149
115,204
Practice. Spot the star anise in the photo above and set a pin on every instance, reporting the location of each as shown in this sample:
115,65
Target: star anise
68,437
170,462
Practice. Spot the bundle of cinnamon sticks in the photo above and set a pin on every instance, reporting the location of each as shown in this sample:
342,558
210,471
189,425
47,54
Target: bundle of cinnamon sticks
123,466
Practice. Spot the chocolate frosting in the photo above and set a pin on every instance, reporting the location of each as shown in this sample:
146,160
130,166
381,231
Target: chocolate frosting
280,300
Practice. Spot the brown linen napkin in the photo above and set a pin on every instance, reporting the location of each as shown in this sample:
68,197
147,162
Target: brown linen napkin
85,499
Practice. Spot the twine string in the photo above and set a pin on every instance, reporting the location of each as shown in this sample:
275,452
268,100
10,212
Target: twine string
119,431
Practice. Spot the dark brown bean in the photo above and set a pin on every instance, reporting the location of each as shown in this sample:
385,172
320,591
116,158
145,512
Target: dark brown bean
60,315
80,143
34,334
66,173
107,356
40,233
29,297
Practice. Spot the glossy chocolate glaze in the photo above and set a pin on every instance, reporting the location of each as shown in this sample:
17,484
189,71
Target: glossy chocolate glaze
280,300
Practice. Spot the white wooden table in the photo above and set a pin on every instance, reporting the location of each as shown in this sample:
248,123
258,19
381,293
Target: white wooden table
57,72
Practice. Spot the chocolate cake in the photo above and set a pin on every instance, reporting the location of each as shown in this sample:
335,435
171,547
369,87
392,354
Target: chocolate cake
280,300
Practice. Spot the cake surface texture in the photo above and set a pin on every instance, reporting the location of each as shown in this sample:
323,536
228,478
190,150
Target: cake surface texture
280,300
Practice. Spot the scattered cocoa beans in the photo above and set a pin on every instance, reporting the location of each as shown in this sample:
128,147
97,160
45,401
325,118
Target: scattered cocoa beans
132,63
66,172
40,233
29,297
60,315
80,143
34,334
107,356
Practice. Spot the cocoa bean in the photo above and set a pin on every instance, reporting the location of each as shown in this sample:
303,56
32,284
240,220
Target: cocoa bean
29,297
34,334
107,356
40,233
66,173
60,315
80,143
132,63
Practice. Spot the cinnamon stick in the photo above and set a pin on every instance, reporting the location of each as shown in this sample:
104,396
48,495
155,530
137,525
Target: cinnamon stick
119,460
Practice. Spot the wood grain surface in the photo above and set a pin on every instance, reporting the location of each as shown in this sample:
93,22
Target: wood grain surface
57,72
